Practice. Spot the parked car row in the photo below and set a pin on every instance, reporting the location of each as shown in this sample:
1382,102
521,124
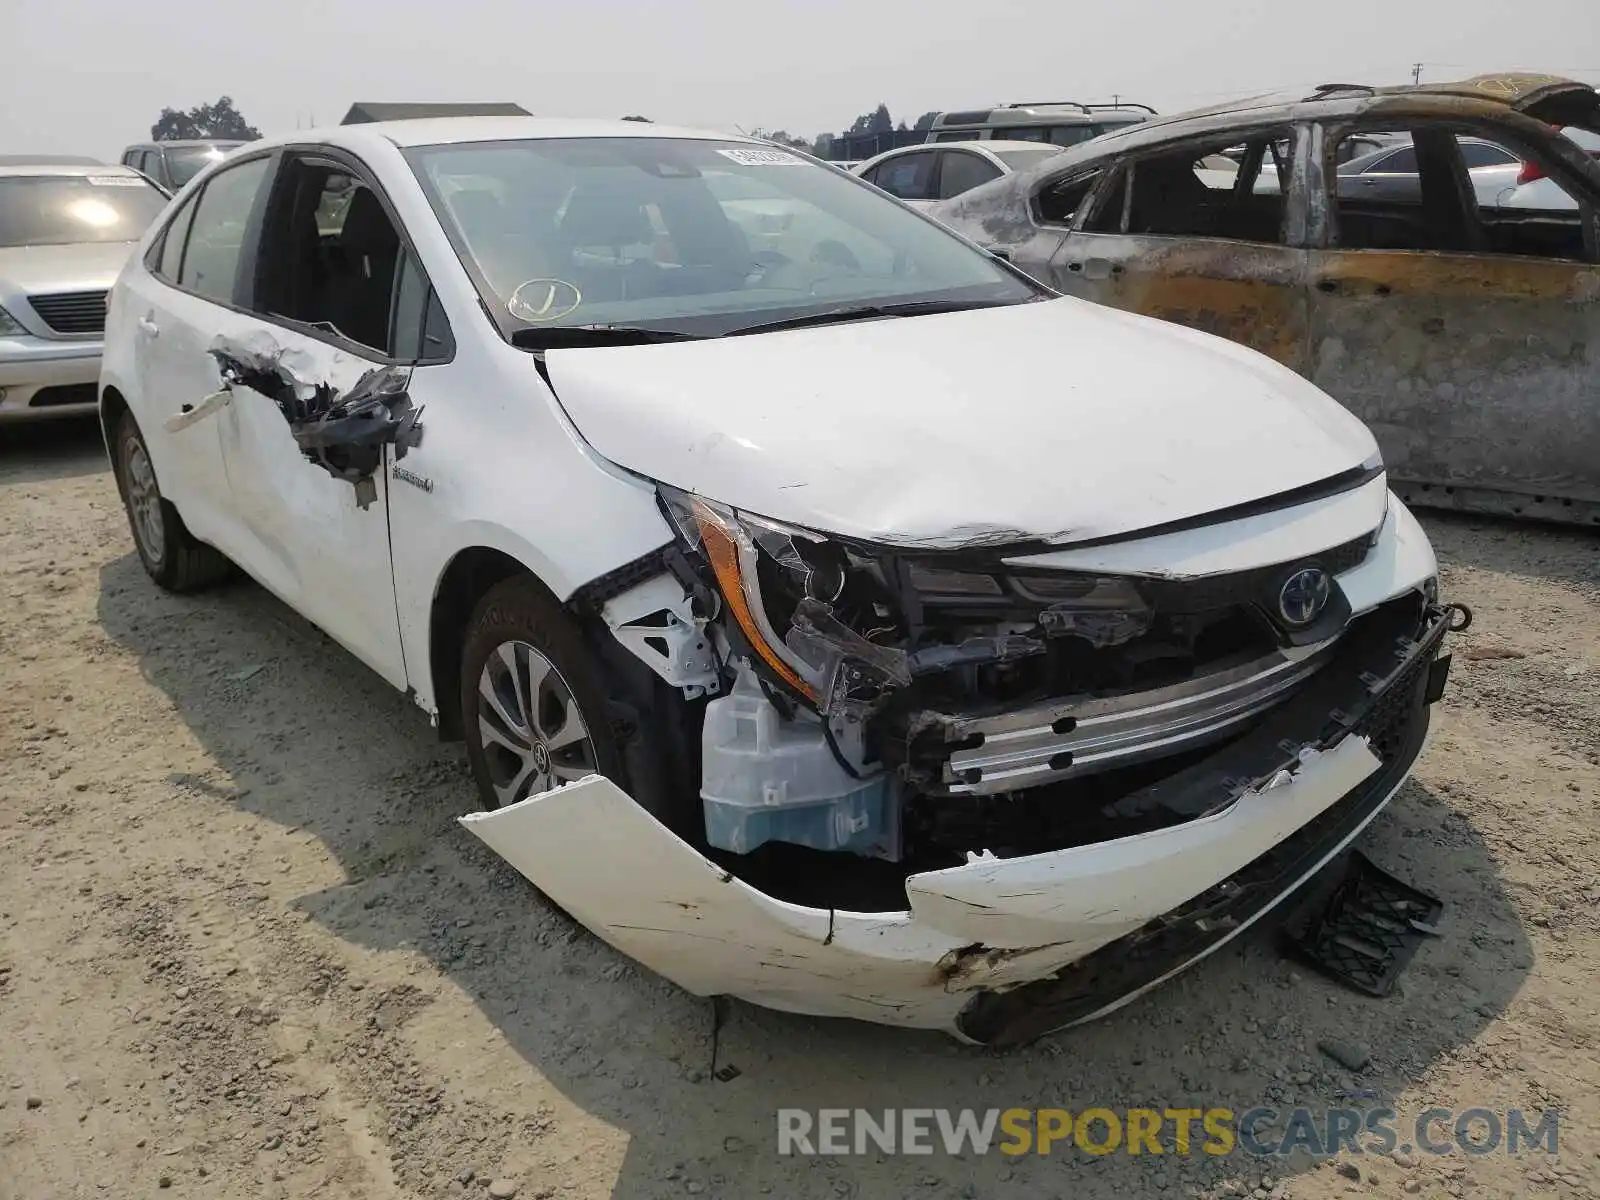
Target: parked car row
65,232
67,225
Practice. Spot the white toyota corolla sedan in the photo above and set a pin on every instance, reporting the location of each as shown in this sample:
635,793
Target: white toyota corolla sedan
834,617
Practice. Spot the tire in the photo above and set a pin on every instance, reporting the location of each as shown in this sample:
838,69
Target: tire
520,636
172,556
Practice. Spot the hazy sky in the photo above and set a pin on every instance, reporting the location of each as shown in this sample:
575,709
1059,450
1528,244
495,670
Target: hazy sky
89,76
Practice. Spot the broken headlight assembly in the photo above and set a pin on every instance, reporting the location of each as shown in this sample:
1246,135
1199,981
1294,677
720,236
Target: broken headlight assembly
775,577
841,625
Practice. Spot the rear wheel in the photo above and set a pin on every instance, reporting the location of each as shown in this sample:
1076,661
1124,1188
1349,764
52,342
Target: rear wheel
172,556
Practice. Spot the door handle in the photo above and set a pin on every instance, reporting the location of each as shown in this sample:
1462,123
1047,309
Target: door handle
147,326
1097,268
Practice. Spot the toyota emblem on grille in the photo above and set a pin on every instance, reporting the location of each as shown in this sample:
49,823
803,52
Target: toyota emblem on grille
1304,595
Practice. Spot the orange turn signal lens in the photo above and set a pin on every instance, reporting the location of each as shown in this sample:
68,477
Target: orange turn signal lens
722,551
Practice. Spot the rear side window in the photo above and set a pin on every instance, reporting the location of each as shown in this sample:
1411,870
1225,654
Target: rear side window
1402,161
910,177
217,230
1482,154
963,171
1071,135
172,242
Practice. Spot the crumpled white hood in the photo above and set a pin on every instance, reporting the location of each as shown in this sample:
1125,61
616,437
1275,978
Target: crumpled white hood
1060,420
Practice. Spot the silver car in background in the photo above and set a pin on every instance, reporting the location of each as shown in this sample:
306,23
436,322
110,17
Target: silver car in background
65,232
173,164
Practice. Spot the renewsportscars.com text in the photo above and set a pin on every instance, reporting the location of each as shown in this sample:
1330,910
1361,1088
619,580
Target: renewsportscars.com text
1261,1132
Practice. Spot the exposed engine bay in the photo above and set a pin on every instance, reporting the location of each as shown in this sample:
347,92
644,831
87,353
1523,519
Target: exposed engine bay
921,708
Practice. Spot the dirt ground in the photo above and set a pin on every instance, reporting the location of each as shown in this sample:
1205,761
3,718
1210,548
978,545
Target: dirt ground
245,951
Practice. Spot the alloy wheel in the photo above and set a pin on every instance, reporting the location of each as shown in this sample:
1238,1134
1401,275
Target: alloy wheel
534,735
144,500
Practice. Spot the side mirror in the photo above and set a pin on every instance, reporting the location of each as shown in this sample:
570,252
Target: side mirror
999,252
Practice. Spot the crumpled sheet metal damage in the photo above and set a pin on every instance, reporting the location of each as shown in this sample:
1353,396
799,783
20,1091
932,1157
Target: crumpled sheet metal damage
343,432
990,925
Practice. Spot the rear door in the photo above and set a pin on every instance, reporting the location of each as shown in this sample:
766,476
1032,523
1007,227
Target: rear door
1166,235
185,300
1464,333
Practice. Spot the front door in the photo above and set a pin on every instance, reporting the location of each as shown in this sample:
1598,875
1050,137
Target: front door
334,293
1209,239
1465,335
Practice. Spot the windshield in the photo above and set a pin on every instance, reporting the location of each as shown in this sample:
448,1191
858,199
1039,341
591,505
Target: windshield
1021,160
699,237
185,162
54,210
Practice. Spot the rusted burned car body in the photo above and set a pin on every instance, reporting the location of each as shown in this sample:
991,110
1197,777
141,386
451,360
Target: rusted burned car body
1467,338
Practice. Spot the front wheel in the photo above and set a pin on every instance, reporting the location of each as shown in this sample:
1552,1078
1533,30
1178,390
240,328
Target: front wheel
172,556
533,705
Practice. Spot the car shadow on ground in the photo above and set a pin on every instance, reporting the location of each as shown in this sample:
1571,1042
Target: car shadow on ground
61,449
309,739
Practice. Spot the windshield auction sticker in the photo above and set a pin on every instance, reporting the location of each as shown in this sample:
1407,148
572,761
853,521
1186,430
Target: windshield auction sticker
751,156
115,180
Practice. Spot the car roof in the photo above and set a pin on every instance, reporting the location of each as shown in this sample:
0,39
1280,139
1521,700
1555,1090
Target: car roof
436,131
69,170
1006,144
1060,112
38,160
1480,96
170,143
980,145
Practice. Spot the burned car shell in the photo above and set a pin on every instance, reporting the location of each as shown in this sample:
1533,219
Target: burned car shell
1476,370
1227,756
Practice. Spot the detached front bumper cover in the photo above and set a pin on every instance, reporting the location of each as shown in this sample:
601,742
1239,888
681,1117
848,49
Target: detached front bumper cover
1001,951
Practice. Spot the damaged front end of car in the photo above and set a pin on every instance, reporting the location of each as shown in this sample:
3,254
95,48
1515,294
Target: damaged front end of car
986,786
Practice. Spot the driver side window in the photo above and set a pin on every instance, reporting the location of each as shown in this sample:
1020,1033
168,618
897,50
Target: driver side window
333,261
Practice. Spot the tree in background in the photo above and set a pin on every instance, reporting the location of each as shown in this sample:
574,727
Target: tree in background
219,120
877,121
926,120
782,137
646,120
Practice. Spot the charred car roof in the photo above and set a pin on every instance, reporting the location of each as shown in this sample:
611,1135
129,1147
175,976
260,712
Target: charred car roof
1549,98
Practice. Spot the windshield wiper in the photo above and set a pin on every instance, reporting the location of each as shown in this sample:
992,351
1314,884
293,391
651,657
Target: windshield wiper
557,337
862,312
